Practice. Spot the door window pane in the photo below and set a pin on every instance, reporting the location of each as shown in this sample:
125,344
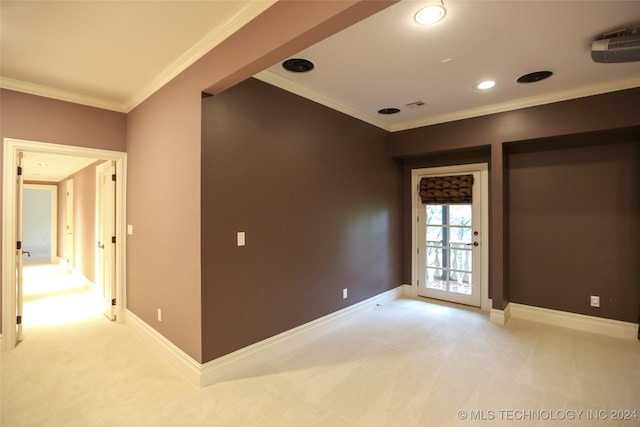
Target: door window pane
460,215
436,279
435,234
434,214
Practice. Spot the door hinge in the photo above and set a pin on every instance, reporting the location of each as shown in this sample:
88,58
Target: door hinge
113,301
19,170
418,251
18,320
18,245
418,283
113,177
113,239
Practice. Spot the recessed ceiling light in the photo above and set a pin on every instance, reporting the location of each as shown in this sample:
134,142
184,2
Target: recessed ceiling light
42,164
486,85
536,76
430,14
298,65
389,110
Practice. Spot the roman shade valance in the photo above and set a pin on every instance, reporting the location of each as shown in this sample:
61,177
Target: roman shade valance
441,190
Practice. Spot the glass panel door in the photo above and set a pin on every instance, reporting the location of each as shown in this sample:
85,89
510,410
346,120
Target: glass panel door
448,252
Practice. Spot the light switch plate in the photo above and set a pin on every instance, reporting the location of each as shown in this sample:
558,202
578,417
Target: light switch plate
241,238
129,229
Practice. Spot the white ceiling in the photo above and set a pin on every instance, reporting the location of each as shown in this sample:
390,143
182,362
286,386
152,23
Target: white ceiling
114,54
110,54
388,60
46,167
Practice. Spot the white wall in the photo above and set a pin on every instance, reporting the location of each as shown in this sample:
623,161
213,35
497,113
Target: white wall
37,223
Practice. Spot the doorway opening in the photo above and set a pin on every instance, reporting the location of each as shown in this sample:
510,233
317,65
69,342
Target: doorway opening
40,224
13,253
450,236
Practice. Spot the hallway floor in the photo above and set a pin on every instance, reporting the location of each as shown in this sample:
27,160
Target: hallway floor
406,363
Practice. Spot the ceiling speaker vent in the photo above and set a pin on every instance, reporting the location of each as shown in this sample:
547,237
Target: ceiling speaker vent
298,65
534,77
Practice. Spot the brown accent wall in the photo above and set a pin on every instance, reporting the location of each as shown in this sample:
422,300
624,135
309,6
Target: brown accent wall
35,118
319,198
574,222
605,114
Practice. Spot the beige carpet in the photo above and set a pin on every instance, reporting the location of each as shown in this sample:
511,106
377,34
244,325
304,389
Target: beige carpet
407,363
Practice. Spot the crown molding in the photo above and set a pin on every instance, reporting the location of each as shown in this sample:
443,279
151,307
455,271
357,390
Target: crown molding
243,15
580,92
565,95
285,84
59,94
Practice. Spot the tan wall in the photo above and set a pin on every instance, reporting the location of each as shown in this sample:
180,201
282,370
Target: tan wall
84,216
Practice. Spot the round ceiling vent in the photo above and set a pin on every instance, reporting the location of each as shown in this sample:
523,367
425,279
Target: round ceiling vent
298,65
536,76
389,111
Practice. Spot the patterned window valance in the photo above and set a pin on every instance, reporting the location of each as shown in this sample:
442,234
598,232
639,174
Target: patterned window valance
441,190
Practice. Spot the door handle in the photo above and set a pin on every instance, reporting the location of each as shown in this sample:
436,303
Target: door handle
101,246
473,244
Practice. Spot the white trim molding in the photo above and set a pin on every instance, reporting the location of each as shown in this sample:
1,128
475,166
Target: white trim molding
236,364
188,367
581,322
500,317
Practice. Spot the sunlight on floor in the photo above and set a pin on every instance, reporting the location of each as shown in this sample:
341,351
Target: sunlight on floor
53,296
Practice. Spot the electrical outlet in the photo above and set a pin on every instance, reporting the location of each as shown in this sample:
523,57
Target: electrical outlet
344,293
595,301
159,315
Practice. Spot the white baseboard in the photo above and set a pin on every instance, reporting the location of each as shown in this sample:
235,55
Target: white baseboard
409,291
581,322
237,364
178,359
500,317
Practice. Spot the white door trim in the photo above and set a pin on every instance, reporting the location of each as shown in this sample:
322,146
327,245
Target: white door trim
11,149
483,168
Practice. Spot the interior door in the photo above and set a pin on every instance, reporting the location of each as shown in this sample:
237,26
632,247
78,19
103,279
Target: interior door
19,208
68,234
449,249
106,198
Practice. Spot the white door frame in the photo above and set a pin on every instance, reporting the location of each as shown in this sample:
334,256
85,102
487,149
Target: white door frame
11,149
105,246
483,168
68,254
